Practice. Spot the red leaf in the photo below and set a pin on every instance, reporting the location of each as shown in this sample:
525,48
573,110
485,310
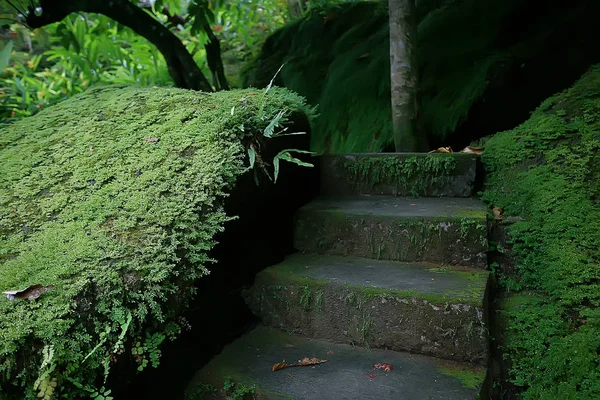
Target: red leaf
371,376
384,366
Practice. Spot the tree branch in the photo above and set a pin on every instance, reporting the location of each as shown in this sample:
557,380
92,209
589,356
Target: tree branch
182,67
214,60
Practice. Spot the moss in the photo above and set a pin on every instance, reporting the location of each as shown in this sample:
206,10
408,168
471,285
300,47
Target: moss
412,174
546,171
471,296
120,224
471,378
305,285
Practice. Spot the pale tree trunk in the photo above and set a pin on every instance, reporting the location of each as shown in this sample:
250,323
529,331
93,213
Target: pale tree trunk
404,74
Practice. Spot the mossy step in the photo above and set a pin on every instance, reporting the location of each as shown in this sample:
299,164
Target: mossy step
245,366
442,230
421,308
399,174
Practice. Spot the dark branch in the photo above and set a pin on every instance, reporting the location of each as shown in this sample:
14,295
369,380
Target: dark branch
214,60
181,64
212,47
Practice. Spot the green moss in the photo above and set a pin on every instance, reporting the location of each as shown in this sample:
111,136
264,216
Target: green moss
471,296
546,171
470,377
119,224
342,65
412,174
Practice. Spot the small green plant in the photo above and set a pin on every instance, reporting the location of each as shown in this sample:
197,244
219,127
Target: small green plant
200,390
238,390
305,297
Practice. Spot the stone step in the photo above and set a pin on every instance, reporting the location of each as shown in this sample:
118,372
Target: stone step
442,230
246,366
421,308
399,174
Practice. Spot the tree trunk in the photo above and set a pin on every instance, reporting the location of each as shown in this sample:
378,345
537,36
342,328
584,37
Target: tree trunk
182,67
404,74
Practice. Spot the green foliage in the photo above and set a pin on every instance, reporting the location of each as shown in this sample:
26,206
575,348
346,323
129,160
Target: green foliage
338,58
547,171
237,390
76,53
114,197
60,60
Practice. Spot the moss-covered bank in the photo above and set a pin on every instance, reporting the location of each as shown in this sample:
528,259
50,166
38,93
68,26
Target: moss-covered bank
548,171
114,197
475,57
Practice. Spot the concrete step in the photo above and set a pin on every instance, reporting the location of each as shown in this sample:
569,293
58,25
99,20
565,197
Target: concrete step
246,366
442,230
399,174
421,308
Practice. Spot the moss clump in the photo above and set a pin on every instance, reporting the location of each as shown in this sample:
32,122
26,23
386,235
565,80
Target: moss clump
471,378
548,171
114,197
412,174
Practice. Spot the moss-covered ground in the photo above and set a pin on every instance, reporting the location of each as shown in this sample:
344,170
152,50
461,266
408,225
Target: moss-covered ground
548,171
114,197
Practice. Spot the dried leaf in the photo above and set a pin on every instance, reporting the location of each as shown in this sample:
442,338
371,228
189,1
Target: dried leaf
330,353
31,293
387,367
151,140
442,150
497,211
301,363
310,361
473,150
281,365
371,376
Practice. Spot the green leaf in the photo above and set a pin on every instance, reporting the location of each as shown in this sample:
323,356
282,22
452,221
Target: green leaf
252,156
270,129
276,168
287,156
5,55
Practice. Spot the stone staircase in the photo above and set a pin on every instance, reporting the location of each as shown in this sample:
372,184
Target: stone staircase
390,269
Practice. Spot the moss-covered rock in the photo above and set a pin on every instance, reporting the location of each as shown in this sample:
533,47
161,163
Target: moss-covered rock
114,197
547,171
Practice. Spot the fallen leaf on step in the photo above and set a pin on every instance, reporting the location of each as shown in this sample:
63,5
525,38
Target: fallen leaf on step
301,363
387,367
281,365
442,150
473,150
31,293
310,361
371,376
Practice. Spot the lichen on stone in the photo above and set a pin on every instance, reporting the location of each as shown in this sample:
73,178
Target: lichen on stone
114,197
